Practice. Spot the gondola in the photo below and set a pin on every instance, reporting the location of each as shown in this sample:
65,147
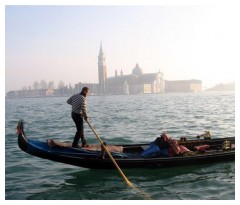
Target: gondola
127,156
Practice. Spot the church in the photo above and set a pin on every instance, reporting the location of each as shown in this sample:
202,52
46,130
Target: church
135,83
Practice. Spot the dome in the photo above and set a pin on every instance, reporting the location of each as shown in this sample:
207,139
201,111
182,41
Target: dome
137,70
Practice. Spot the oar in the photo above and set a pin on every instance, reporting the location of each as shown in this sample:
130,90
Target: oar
109,154
116,165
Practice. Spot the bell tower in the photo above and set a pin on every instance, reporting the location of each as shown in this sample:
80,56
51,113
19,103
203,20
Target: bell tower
102,71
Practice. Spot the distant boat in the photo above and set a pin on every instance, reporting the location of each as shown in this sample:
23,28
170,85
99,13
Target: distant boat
127,156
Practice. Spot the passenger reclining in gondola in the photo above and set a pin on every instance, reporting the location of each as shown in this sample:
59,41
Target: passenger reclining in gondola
164,146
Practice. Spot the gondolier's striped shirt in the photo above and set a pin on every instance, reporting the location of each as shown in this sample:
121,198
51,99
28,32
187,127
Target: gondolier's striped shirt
78,103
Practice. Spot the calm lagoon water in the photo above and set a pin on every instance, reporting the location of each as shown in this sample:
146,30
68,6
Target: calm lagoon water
119,119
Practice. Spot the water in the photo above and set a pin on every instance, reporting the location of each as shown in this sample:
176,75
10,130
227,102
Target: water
119,119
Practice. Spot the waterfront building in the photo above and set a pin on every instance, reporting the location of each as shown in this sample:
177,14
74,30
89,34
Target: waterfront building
183,86
50,92
135,83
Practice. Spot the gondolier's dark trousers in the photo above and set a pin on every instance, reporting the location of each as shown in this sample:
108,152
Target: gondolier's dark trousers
78,120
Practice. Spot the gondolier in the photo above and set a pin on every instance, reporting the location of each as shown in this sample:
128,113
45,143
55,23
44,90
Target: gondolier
79,111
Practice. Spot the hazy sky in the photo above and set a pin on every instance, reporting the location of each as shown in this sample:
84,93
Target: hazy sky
62,42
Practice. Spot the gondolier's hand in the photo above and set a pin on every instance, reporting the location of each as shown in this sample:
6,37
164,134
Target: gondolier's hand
86,118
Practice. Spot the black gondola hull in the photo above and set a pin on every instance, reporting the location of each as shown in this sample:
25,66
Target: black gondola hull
90,159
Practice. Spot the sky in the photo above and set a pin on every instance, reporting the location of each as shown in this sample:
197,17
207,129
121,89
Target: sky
61,42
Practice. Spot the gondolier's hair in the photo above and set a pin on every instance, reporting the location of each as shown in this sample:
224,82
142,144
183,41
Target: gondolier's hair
84,89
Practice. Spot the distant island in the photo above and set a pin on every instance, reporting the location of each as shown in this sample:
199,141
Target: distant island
223,87
179,86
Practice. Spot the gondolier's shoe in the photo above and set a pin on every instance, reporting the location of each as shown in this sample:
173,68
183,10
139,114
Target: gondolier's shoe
84,143
76,139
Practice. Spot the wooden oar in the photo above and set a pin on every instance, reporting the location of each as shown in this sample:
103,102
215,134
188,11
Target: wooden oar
146,196
109,154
